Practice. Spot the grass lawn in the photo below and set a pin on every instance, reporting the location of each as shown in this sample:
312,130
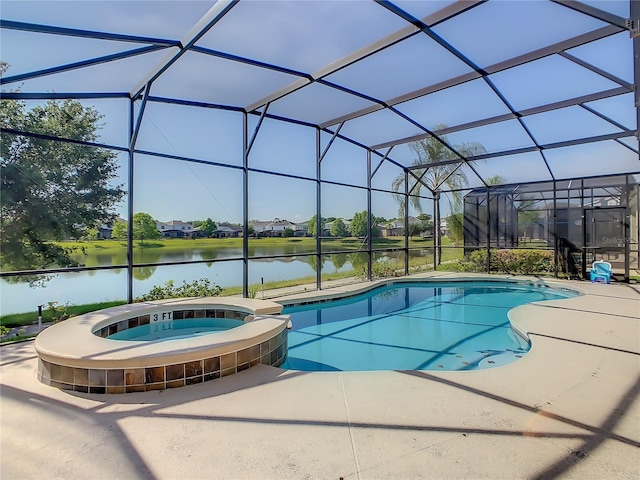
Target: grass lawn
177,244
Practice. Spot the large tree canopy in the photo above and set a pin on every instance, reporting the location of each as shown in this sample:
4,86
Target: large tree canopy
339,229
51,190
358,225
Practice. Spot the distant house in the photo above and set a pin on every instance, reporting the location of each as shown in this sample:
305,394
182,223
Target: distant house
258,227
276,228
177,229
326,231
301,229
226,230
395,228
444,228
104,232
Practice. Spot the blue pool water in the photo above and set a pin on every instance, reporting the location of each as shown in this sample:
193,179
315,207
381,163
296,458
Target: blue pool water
413,326
175,329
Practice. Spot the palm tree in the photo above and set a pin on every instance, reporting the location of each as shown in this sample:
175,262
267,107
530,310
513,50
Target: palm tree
435,169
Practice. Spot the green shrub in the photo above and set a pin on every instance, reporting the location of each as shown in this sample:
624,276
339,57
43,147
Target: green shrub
521,262
384,269
379,269
197,288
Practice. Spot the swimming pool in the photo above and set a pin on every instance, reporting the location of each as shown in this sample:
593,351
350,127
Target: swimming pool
173,330
413,326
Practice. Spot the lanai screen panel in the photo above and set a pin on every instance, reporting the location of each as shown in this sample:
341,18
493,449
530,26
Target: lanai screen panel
508,93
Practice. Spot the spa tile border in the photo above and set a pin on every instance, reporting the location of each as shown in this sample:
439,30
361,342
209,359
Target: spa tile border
182,314
272,351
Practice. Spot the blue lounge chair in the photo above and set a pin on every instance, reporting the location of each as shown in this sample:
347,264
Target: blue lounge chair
600,271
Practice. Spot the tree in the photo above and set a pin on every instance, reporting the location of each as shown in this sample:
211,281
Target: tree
51,190
426,222
456,228
144,226
91,234
119,231
358,226
208,227
288,232
528,216
339,229
339,260
435,169
311,228
312,260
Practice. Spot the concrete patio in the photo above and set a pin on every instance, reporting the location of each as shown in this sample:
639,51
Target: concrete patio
568,409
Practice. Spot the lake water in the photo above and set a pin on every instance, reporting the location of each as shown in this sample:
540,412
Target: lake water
98,286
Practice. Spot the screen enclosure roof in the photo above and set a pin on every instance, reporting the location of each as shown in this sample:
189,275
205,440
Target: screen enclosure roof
545,87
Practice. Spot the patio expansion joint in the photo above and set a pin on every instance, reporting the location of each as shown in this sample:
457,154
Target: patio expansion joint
588,344
346,409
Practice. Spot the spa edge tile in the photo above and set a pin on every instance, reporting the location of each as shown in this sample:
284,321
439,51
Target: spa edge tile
121,389
243,355
176,383
81,388
228,360
135,388
97,378
144,319
134,376
254,362
56,372
200,313
194,380
123,325
154,375
243,366
115,378
175,372
66,386
81,376
254,352
66,374
211,364
211,376
134,322
97,390
228,371
154,386
264,348
44,368
192,369
266,359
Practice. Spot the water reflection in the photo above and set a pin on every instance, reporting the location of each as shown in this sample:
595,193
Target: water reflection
16,294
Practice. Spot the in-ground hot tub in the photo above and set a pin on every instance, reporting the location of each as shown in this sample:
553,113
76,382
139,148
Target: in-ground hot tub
78,354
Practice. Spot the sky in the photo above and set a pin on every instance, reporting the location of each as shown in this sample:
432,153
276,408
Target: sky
306,37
